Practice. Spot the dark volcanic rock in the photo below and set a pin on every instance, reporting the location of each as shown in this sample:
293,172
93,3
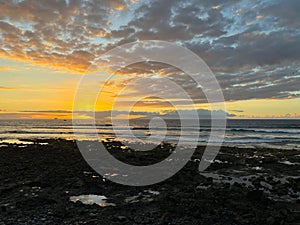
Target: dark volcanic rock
255,195
37,182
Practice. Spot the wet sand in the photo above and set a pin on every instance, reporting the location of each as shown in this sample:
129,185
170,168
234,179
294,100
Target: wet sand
242,186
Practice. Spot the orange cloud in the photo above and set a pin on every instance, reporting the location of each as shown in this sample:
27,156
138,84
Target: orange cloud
53,33
77,62
7,88
2,68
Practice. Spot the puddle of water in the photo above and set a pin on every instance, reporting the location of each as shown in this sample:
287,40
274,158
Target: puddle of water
87,173
152,192
203,187
111,174
257,168
230,179
219,161
285,180
44,143
92,199
132,199
146,196
212,161
286,198
247,180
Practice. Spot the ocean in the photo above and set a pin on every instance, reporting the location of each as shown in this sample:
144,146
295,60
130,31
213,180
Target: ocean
273,133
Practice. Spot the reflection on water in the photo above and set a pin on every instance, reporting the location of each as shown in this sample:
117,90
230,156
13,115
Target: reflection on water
239,133
146,196
21,143
92,199
16,141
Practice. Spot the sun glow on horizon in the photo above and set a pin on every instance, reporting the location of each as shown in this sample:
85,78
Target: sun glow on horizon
42,98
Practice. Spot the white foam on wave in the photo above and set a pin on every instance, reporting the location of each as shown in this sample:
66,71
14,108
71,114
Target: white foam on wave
289,163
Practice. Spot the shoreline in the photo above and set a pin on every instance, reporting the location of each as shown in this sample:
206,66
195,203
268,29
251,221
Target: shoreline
242,186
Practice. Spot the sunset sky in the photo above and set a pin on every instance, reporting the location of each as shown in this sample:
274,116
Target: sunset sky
252,47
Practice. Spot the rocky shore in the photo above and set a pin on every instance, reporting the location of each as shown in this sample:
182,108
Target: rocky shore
39,183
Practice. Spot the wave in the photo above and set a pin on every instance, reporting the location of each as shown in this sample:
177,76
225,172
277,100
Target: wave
245,140
36,132
273,131
262,140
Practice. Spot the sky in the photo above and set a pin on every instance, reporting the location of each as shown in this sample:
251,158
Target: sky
252,47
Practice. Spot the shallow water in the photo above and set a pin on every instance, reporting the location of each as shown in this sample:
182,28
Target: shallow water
92,199
16,141
145,196
248,181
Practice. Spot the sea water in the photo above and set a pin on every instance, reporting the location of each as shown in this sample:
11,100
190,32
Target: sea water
274,133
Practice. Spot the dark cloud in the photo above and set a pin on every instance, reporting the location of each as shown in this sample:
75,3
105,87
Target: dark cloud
237,110
101,115
285,13
252,46
202,114
55,33
254,53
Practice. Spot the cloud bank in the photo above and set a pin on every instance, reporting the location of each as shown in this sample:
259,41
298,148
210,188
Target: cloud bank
252,46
